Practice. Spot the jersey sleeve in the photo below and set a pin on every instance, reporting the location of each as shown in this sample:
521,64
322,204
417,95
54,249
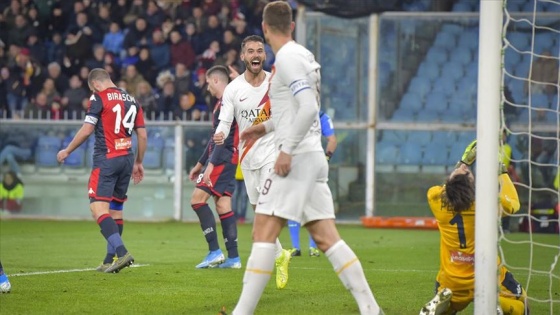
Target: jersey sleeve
227,110
94,109
434,197
139,121
327,127
509,199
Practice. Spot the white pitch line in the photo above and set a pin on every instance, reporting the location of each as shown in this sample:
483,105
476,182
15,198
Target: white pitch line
35,273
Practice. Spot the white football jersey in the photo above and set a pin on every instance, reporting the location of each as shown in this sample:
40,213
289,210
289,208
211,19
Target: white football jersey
249,105
294,70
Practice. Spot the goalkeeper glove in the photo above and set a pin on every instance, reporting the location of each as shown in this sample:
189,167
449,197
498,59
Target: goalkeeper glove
469,156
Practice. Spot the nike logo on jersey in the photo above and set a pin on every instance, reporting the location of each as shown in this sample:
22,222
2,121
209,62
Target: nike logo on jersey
242,99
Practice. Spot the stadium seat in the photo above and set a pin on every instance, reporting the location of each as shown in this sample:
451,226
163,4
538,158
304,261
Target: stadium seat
452,29
518,40
403,115
513,6
435,154
445,40
444,138
452,70
410,154
420,137
427,116
553,7
436,101
386,153
437,55
394,136
411,102
511,59
469,39
421,86
445,85
76,159
529,6
539,100
461,55
462,7
45,153
153,155
428,71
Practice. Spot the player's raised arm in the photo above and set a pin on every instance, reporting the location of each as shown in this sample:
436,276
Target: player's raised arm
226,116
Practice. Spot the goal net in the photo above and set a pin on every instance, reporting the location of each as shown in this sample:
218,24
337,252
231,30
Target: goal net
530,121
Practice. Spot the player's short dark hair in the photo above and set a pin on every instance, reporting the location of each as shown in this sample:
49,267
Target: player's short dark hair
219,70
278,16
459,193
98,74
251,38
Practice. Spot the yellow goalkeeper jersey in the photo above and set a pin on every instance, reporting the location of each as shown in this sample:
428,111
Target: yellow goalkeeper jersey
457,235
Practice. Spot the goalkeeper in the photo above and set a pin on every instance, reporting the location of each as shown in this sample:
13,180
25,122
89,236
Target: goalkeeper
453,205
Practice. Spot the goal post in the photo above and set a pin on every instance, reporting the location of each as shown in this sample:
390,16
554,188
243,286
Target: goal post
487,131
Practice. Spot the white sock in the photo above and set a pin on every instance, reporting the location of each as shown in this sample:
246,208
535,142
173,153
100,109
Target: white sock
260,266
278,248
349,270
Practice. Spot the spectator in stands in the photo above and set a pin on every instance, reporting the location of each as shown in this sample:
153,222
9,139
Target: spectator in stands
200,92
183,80
57,21
168,102
208,58
132,78
159,50
39,108
15,92
73,96
88,29
50,90
57,110
3,55
167,27
544,75
11,12
213,32
131,57
83,73
181,51
118,11
135,12
55,48
11,192
154,15
30,71
103,18
37,24
98,59
198,19
36,48
230,41
19,33
20,148
113,40
185,110
231,59
137,35
147,99
192,36
78,46
145,64
211,7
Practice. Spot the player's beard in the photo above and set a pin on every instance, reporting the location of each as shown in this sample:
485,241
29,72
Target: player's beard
254,71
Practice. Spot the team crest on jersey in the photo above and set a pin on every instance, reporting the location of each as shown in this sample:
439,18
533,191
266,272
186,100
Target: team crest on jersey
123,143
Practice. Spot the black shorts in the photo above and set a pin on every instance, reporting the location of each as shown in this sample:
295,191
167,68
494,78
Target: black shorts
223,180
109,178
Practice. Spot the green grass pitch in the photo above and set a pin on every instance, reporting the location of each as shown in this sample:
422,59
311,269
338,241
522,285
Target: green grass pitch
50,265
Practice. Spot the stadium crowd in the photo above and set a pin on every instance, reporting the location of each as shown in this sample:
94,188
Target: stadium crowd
157,50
